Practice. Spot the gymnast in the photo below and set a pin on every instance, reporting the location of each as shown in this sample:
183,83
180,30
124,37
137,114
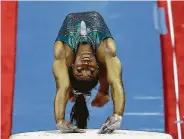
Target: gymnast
85,54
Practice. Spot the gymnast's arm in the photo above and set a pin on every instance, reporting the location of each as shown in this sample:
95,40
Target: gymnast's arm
114,77
60,72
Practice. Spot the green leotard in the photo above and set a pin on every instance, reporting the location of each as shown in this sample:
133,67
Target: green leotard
97,29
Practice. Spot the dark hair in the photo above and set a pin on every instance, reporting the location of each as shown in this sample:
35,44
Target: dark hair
84,85
79,113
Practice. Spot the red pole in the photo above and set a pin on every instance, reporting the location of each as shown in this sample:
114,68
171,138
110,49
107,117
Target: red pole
178,18
168,78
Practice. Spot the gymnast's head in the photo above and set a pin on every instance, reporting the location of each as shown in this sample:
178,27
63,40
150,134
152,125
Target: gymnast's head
84,76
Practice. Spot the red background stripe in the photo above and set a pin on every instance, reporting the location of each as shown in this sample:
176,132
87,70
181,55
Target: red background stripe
168,78
178,18
8,52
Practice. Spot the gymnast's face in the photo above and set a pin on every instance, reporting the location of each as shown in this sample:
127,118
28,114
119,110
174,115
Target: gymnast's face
85,65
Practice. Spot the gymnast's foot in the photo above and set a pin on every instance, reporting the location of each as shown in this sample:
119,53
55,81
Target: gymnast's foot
100,100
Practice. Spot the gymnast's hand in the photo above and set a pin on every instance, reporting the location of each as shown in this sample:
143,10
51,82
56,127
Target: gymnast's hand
67,127
112,123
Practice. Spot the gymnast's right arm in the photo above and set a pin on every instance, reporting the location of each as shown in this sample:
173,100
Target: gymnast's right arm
60,71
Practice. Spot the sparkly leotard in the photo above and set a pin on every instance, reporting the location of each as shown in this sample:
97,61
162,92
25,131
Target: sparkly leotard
97,29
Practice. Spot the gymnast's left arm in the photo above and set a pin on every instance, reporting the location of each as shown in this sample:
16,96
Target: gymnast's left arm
114,77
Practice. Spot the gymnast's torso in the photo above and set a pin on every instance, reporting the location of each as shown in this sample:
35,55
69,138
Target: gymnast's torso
97,29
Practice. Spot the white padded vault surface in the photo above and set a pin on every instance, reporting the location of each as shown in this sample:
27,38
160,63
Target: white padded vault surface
91,134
